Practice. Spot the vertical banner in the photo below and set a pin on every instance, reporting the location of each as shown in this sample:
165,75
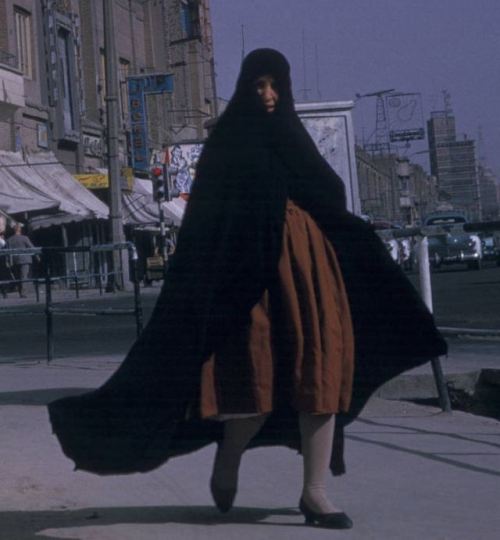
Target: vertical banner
138,126
138,89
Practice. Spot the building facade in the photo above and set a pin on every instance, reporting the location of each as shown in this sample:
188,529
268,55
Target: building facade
375,187
393,189
52,66
489,190
453,162
53,90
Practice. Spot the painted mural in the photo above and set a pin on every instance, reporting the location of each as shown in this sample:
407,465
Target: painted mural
183,159
329,134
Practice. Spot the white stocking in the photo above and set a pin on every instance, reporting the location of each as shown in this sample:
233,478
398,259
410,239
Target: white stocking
316,431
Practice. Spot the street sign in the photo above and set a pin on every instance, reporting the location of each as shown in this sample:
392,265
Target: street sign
138,88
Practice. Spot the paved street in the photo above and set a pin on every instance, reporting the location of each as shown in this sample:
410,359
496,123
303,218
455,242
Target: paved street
413,472
466,298
462,298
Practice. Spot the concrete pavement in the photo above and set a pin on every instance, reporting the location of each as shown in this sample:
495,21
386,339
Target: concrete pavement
413,472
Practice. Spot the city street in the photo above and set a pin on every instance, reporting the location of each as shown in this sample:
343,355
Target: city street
436,460
191,134
462,298
466,298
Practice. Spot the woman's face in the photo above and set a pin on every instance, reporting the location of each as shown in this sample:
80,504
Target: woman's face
266,91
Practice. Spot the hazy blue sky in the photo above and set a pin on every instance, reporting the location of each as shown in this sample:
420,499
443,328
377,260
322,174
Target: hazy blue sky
368,45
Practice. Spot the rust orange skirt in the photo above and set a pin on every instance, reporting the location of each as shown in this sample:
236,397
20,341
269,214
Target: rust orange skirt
299,344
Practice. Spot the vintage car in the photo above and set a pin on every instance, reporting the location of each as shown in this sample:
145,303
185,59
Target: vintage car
451,246
491,248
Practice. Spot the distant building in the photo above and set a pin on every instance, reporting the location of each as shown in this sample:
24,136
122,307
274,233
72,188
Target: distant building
375,187
394,189
453,163
490,201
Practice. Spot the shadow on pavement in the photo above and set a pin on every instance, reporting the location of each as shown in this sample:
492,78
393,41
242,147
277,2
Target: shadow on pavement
30,524
38,397
440,458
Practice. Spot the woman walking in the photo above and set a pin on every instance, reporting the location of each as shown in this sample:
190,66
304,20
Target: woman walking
281,312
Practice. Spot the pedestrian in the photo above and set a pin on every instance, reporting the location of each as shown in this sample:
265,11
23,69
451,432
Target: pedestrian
21,263
275,296
5,272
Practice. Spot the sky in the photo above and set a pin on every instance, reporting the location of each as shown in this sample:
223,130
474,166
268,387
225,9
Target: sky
340,48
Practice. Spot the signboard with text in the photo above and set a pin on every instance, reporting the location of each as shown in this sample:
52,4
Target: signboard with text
138,89
404,111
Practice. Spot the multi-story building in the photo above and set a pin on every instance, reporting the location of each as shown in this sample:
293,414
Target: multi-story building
490,201
453,162
52,65
393,189
375,187
53,85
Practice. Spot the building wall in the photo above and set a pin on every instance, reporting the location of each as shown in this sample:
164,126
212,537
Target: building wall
389,194
187,53
374,187
490,199
150,38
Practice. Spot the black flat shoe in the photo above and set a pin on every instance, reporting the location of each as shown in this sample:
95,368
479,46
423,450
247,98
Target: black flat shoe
331,520
223,498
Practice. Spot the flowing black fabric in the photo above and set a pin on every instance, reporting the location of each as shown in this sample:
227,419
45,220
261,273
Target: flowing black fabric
226,257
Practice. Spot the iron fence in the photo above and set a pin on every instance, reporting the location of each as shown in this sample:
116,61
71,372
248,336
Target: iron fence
46,256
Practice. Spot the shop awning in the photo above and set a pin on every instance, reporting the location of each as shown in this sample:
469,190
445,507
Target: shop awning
5,220
39,185
139,208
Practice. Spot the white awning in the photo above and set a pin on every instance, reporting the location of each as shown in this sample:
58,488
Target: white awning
5,220
39,184
139,208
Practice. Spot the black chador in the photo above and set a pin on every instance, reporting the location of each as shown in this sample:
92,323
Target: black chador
227,254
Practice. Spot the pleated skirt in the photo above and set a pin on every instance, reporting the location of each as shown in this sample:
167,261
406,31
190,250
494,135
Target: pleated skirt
299,344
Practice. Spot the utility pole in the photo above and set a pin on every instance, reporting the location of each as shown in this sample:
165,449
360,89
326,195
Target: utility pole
382,145
305,90
119,258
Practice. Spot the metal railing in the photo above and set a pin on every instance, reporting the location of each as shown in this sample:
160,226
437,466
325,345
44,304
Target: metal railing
46,256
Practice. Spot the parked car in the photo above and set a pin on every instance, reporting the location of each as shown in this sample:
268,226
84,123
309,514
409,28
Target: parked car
453,247
490,249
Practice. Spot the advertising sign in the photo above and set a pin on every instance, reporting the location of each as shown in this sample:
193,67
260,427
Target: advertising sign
182,159
404,113
138,89
330,126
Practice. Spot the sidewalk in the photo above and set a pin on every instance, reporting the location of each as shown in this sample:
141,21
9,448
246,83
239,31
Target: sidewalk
413,473
61,294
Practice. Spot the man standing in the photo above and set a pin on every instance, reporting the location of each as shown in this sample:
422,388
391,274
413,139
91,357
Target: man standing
20,263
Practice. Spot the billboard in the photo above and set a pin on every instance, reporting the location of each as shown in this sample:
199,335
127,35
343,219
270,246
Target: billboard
330,126
405,117
182,159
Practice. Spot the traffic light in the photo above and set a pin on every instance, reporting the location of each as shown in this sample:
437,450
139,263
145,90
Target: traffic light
158,179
